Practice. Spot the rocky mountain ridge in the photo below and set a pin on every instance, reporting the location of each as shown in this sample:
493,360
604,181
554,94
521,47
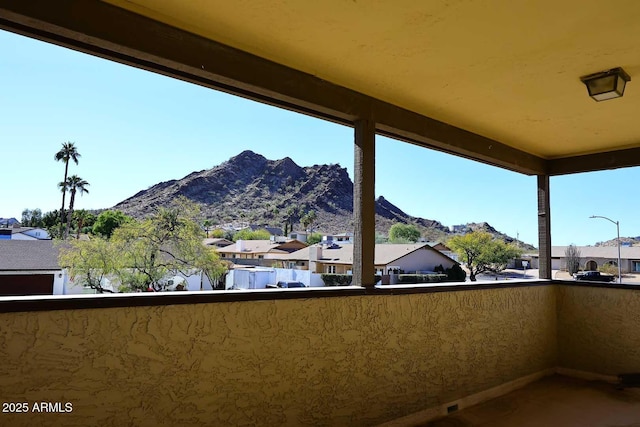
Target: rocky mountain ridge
250,188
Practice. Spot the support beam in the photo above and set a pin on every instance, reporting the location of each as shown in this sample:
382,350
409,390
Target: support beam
544,227
625,158
104,30
364,208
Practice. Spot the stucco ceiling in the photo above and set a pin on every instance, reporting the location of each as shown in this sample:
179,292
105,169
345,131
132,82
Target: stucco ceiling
507,70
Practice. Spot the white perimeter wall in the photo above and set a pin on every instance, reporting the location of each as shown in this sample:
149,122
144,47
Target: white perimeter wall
259,278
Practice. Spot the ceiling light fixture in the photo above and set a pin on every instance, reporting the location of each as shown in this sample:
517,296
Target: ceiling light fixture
606,84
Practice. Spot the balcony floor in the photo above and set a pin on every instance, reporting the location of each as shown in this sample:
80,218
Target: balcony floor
554,401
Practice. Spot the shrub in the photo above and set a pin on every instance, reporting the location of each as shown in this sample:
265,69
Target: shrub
456,274
342,279
337,279
421,278
609,268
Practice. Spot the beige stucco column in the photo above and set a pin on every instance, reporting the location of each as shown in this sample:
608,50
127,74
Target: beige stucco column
544,227
364,204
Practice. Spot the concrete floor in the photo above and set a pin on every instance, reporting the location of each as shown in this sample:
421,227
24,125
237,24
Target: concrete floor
554,401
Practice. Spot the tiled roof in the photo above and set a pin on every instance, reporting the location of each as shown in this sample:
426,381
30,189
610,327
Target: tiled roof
28,255
214,241
256,246
385,253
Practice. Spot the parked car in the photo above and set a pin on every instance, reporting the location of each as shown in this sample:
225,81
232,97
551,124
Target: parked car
593,276
287,284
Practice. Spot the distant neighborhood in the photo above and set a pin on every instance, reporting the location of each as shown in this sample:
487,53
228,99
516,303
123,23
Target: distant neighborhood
200,233
30,253
31,261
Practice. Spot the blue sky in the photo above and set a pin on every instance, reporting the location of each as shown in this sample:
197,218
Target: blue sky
135,129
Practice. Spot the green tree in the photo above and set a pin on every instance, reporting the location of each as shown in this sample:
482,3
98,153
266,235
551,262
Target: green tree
218,233
481,252
401,233
32,218
108,221
308,219
248,234
143,254
207,226
74,184
381,238
167,243
83,219
314,238
68,152
51,221
90,261
292,217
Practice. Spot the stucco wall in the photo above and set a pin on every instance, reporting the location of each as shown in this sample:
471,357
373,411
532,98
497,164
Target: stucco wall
599,329
323,361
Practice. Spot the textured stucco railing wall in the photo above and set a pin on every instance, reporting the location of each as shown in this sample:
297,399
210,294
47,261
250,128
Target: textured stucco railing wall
357,360
599,329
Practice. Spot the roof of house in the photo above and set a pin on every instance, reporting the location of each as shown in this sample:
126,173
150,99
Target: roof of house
260,246
611,252
215,241
25,229
28,255
436,243
9,221
385,253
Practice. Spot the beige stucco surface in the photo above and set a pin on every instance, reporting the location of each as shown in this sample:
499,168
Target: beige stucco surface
323,361
598,329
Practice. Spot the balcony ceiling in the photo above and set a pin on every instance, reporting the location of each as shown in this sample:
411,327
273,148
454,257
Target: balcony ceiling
506,70
504,75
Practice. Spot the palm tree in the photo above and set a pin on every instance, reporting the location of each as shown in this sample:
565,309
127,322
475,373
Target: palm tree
74,184
81,217
66,153
207,226
308,219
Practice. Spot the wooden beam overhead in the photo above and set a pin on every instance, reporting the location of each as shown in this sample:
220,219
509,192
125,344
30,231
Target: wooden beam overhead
100,29
595,162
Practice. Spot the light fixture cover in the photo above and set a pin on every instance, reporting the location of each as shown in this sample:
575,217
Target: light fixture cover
606,84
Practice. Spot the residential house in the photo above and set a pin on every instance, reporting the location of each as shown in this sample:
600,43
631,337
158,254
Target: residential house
299,235
217,242
259,252
24,233
9,222
339,238
592,257
389,258
439,246
30,268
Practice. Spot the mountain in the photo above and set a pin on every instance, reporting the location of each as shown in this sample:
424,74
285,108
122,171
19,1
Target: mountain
250,188
624,241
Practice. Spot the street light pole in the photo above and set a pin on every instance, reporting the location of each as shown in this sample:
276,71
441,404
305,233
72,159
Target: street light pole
617,223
